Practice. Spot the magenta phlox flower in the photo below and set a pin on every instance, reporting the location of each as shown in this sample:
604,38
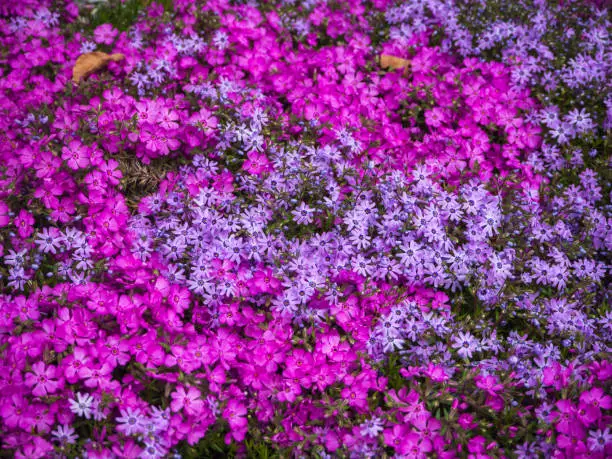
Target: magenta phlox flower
115,351
188,400
406,442
183,358
76,155
152,140
436,373
5,218
587,413
495,402
179,298
204,120
565,419
590,405
230,315
24,223
466,421
99,376
325,375
597,398
76,365
477,446
110,170
15,411
129,448
37,447
27,308
406,400
332,347
105,34
346,310
42,418
556,375
298,365
356,393
571,445
315,111
43,380
167,119
235,413
289,391
263,281
489,384
270,355
426,424
257,163
146,350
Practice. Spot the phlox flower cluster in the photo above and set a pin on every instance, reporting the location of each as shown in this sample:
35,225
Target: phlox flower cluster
248,237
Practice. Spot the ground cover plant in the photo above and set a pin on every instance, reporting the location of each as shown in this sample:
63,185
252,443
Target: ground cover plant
305,229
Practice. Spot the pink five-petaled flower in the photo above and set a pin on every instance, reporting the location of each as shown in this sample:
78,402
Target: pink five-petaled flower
466,421
591,402
268,356
356,396
189,400
495,402
110,170
105,34
157,142
235,413
76,155
75,366
37,447
556,375
42,379
27,308
99,377
588,414
489,384
263,282
478,447
597,397
427,425
565,419
204,120
168,118
5,218
24,222
114,351
406,442
256,163
15,411
179,298
435,373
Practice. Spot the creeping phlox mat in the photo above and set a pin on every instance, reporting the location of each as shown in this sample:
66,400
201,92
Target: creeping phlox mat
305,229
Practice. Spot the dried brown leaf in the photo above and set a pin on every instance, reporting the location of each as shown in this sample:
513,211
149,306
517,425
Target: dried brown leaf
394,62
88,63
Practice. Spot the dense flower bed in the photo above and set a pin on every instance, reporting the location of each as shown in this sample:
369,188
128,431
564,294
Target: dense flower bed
250,238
